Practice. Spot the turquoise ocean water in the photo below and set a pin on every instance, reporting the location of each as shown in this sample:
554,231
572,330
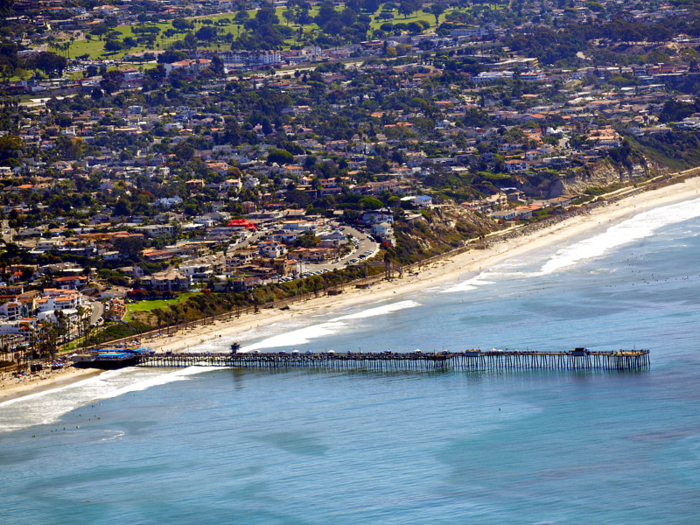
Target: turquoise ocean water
221,446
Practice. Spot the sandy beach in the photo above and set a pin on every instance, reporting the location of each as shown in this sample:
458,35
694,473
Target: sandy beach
448,269
12,388
444,270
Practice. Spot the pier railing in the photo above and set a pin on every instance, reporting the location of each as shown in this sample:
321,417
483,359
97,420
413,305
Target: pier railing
620,360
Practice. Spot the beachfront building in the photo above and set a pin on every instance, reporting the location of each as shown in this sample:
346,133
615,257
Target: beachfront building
170,280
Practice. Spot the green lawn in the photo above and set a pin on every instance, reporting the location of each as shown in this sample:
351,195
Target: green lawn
148,306
95,47
399,19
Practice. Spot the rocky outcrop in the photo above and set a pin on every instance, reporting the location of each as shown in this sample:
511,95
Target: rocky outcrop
603,175
437,231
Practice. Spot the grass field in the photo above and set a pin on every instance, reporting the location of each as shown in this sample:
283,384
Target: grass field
148,306
95,47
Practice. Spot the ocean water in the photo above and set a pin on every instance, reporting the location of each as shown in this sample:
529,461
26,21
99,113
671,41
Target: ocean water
223,446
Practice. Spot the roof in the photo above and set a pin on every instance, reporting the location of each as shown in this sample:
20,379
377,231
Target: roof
70,278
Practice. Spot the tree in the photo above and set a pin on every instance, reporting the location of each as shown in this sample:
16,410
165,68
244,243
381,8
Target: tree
129,247
100,30
206,33
371,203
122,208
49,62
326,13
184,153
6,6
406,8
267,16
217,66
83,320
69,148
10,146
289,15
280,156
157,73
437,10
46,340
62,329
112,80
241,17
190,41
113,45
182,25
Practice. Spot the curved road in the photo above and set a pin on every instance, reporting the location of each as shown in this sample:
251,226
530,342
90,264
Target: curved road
365,244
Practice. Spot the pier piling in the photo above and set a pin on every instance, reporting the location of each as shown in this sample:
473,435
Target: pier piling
623,360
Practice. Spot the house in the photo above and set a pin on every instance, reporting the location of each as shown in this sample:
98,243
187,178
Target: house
371,217
515,165
11,310
170,280
12,328
72,282
241,284
561,202
506,215
193,65
312,255
333,240
199,272
499,200
422,201
514,195
382,229
271,249
51,302
156,230
157,255
523,212
134,271
532,76
242,224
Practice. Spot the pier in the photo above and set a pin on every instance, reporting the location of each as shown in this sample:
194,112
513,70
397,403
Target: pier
622,360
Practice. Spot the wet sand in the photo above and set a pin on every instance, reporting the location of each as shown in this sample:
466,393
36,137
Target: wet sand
12,388
452,268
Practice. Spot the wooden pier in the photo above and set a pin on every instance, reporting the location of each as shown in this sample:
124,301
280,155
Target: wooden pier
392,361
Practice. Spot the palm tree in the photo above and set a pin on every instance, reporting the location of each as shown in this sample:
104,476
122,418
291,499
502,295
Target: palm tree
62,326
81,310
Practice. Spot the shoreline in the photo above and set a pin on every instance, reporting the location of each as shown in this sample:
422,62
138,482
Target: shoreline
451,268
11,389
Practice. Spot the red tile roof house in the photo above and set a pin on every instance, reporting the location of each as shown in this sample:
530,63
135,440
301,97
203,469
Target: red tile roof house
72,282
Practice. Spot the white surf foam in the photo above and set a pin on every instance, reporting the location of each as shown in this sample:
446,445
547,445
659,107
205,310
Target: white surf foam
380,310
470,284
158,380
48,406
309,333
638,227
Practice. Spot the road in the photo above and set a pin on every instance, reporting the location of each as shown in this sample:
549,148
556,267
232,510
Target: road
97,310
255,237
365,244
